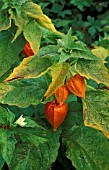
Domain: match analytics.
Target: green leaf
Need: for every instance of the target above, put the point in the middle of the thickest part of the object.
(5, 22)
(34, 136)
(81, 51)
(30, 157)
(92, 30)
(33, 34)
(7, 142)
(6, 116)
(56, 8)
(23, 93)
(28, 111)
(96, 110)
(20, 21)
(74, 116)
(87, 148)
(16, 5)
(94, 70)
(1, 4)
(59, 73)
(30, 122)
(1, 160)
(9, 52)
(75, 49)
(14, 2)
(81, 4)
(47, 50)
(36, 66)
(64, 56)
(51, 36)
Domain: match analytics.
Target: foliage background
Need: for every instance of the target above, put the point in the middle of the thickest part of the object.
(89, 21)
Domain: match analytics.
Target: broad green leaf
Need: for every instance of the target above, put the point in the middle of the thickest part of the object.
(5, 22)
(30, 122)
(35, 66)
(28, 111)
(14, 2)
(64, 56)
(74, 116)
(96, 110)
(85, 54)
(75, 50)
(33, 34)
(7, 142)
(100, 52)
(6, 116)
(47, 50)
(20, 21)
(80, 50)
(33, 10)
(1, 160)
(88, 148)
(34, 136)
(30, 157)
(9, 52)
(15, 5)
(59, 73)
(94, 70)
(25, 121)
(23, 92)
(4, 89)
(50, 36)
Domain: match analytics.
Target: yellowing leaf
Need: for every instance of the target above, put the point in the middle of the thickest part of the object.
(31, 68)
(100, 52)
(94, 70)
(36, 66)
(33, 10)
(96, 110)
(59, 73)
(46, 22)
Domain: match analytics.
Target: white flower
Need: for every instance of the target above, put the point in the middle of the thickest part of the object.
(20, 121)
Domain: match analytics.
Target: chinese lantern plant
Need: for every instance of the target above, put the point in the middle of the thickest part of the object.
(61, 94)
(50, 109)
(27, 50)
(56, 111)
(76, 85)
